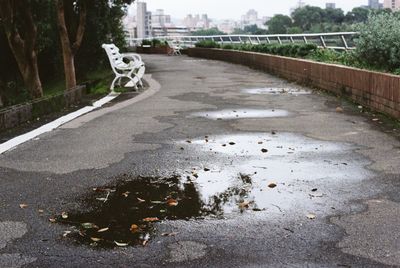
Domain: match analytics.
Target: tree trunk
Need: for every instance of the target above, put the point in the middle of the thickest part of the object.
(69, 48)
(69, 68)
(23, 48)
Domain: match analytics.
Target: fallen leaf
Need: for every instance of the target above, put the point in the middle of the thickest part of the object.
(52, 220)
(272, 185)
(121, 244)
(102, 230)
(66, 233)
(134, 228)
(126, 194)
(140, 200)
(188, 141)
(40, 210)
(172, 202)
(339, 110)
(314, 190)
(244, 205)
(375, 119)
(23, 205)
(260, 142)
(95, 239)
(232, 143)
(64, 215)
(273, 132)
(223, 145)
(169, 234)
(316, 195)
(89, 225)
(151, 219)
(311, 216)
(264, 150)
(206, 169)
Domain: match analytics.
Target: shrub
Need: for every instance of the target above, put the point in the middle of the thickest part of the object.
(378, 44)
(228, 46)
(146, 43)
(156, 43)
(207, 44)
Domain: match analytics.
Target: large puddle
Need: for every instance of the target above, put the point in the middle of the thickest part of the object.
(228, 114)
(263, 174)
(125, 214)
(276, 91)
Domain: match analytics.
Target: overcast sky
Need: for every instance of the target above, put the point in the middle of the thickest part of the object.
(233, 9)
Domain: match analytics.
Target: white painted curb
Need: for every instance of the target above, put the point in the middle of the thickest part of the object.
(8, 145)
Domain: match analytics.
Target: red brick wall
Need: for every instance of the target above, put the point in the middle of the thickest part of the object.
(377, 91)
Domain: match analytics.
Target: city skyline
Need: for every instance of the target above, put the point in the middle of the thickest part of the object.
(217, 10)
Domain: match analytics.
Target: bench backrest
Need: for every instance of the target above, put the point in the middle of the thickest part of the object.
(116, 59)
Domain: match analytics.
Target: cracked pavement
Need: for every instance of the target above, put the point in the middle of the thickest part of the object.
(356, 222)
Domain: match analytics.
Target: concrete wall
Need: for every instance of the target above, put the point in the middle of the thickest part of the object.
(378, 91)
(15, 115)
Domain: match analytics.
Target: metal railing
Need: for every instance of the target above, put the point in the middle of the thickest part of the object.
(339, 40)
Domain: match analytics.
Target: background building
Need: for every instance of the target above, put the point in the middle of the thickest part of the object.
(392, 4)
(330, 5)
(374, 4)
(143, 21)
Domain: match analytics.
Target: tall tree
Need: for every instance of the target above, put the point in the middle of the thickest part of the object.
(70, 46)
(279, 24)
(21, 32)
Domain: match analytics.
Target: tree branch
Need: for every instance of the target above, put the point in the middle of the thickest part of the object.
(81, 27)
(61, 24)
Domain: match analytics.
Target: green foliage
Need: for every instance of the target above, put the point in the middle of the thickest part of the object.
(379, 42)
(207, 44)
(279, 24)
(307, 16)
(103, 25)
(207, 32)
(146, 43)
(227, 46)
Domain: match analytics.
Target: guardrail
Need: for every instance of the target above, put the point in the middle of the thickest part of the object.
(339, 40)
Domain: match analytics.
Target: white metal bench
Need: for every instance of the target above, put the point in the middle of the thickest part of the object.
(134, 69)
(176, 48)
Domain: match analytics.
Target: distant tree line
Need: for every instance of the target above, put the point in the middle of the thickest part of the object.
(45, 40)
(312, 19)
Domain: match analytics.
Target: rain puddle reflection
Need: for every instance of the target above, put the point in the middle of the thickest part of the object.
(279, 173)
(276, 91)
(228, 114)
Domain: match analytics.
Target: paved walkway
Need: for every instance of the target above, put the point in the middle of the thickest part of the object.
(337, 175)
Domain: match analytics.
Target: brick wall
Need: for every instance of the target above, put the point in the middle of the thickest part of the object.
(378, 91)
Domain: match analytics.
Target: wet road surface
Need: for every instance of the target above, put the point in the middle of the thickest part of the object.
(214, 165)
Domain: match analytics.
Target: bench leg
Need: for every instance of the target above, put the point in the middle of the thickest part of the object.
(113, 83)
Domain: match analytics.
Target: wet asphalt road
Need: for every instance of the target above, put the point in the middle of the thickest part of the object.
(337, 167)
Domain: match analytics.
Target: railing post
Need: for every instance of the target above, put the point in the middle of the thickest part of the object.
(322, 41)
(344, 42)
(230, 38)
(279, 40)
(305, 39)
(269, 41)
(258, 39)
(291, 39)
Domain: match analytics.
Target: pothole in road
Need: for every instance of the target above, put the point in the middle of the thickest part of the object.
(228, 114)
(276, 91)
